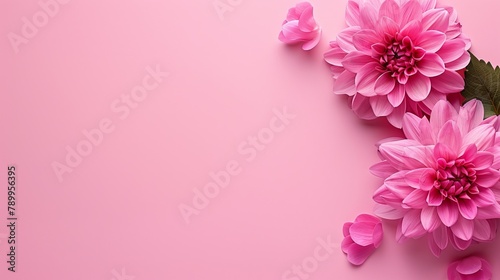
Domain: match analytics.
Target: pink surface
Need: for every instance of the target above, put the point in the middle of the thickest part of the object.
(116, 214)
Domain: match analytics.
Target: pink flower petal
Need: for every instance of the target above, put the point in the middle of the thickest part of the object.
(443, 151)
(448, 213)
(415, 200)
(346, 244)
(381, 106)
(412, 29)
(411, 127)
(344, 38)
(335, 56)
(396, 118)
(448, 82)
(422, 154)
(440, 236)
(364, 39)
(470, 153)
(345, 84)
(434, 198)
(366, 78)
(436, 19)
(357, 255)
(411, 226)
(361, 106)
(378, 235)
(378, 49)
(487, 178)
(431, 65)
(417, 129)
(385, 196)
(397, 187)
(369, 16)
(412, 10)
(433, 98)
(460, 63)
(482, 136)
(400, 238)
(452, 50)
(421, 179)
(483, 160)
(394, 153)
(390, 9)
(484, 198)
(356, 60)
(430, 219)
(470, 116)
(306, 20)
(482, 230)
(431, 40)
(382, 169)
(295, 12)
(426, 133)
(388, 212)
(418, 87)
(469, 266)
(309, 45)
(496, 151)
(489, 212)
(450, 136)
(352, 16)
(387, 26)
(435, 250)
(397, 95)
(442, 112)
(385, 84)
(366, 218)
(467, 208)
(460, 244)
(362, 233)
(428, 4)
(336, 71)
(291, 33)
(345, 229)
(463, 229)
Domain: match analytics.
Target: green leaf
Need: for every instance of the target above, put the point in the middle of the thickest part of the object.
(482, 82)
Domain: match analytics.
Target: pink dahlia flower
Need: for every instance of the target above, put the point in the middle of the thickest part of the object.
(398, 56)
(442, 181)
(300, 27)
(470, 268)
(361, 238)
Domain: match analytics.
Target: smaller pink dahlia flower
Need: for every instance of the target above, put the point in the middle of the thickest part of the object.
(443, 180)
(470, 268)
(361, 238)
(398, 56)
(300, 27)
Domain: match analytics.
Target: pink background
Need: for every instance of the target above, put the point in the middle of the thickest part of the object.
(119, 208)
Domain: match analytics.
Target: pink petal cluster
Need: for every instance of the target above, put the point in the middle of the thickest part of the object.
(443, 180)
(300, 27)
(470, 268)
(398, 56)
(361, 238)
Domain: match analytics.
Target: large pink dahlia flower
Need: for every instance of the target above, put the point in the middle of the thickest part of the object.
(398, 56)
(443, 180)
